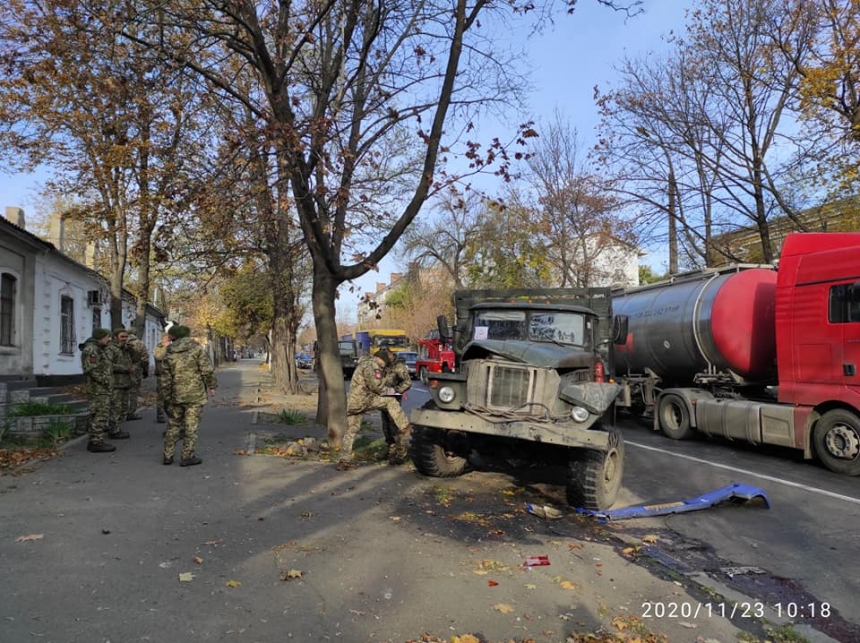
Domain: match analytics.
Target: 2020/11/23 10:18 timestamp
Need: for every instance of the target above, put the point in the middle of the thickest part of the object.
(750, 609)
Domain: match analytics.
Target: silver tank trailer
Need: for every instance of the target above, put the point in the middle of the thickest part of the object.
(706, 322)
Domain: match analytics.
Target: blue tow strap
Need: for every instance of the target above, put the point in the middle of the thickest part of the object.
(734, 491)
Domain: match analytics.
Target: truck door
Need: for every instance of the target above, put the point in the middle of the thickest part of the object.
(845, 311)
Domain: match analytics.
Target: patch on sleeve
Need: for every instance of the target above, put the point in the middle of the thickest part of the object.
(377, 374)
(93, 360)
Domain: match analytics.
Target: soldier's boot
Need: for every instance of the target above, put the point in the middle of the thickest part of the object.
(190, 462)
(100, 447)
(119, 434)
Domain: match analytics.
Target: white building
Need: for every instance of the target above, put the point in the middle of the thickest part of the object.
(49, 304)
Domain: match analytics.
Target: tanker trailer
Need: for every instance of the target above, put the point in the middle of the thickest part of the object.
(702, 335)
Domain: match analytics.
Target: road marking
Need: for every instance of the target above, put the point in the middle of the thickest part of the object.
(788, 483)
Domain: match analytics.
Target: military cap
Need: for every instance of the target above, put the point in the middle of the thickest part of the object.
(117, 331)
(178, 332)
(100, 333)
(385, 355)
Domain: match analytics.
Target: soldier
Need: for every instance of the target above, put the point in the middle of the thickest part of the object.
(121, 381)
(188, 376)
(140, 369)
(158, 354)
(98, 373)
(396, 378)
(366, 394)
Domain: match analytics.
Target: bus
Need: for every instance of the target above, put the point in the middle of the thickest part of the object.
(394, 340)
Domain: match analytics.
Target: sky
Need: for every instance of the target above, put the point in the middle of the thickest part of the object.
(566, 62)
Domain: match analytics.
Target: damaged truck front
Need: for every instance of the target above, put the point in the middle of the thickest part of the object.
(532, 384)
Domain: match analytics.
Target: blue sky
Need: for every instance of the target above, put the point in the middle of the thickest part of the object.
(567, 61)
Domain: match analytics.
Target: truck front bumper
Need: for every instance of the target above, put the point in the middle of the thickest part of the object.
(566, 434)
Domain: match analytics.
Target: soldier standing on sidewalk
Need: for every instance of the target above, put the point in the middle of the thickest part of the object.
(121, 381)
(140, 369)
(158, 354)
(98, 373)
(188, 377)
(366, 391)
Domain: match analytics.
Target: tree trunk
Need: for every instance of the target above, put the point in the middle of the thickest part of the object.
(333, 392)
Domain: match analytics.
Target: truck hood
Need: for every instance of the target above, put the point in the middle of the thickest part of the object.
(537, 353)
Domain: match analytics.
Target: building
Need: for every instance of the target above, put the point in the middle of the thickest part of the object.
(49, 304)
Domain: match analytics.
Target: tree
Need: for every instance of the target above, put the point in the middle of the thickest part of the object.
(114, 123)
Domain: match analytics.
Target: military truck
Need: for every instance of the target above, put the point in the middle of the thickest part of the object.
(348, 351)
(533, 382)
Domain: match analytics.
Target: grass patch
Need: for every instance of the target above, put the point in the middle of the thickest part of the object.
(292, 417)
(32, 408)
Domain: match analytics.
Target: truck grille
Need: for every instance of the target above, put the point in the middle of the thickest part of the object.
(500, 386)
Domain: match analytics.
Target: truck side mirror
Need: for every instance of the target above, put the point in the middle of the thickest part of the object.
(442, 325)
(620, 325)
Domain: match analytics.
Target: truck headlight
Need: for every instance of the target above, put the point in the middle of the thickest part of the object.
(446, 394)
(579, 414)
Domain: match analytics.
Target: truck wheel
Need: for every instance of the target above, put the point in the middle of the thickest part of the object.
(594, 477)
(422, 375)
(674, 417)
(432, 456)
(836, 438)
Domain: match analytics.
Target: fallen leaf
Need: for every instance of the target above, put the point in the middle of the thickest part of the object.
(650, 538)
(233, 583)
(186, 577)
(198, 560)
(291, 574)
(492, 583)
(394, 518)
(466, 638)
(212, 542)
(24, 539)
(530, 586)
(689, 626)
(566, 584)
(504, 608)
(480, 572)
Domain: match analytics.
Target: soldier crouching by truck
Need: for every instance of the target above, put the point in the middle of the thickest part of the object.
(366, 393)
(398, 380)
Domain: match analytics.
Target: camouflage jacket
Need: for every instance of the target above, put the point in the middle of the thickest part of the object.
(139, 357)
(98, 367)
(397, 377)
(187, 373)
(367, 383)
(121, 364)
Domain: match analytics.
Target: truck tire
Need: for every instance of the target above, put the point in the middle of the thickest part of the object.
(430, 455)
(836, 438)
(594, 477)
(674, 416)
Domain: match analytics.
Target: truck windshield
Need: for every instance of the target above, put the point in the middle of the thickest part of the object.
(536, 326)
(346, 348)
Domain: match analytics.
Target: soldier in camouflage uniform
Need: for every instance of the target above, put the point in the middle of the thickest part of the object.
(158, 354)
(121, 381)
(98, 373)
(397, 378)
(188, 376)
(366, 391)
(140, 369)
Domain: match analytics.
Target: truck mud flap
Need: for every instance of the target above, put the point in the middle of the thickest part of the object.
(737, 492)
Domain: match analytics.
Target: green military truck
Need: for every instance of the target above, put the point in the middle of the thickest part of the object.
(348, 350)
(533, 382)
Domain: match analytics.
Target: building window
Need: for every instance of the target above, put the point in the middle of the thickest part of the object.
(844, 304)
(8, 293)
(67, 331)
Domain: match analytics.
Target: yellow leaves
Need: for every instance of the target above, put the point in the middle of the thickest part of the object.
(566, 584)
(198, 560)
(291, 574)
(465, 638)
(503, 608)
(186, 577)
(233, 583)
(24, 539)
(650, 539)
(631, 551)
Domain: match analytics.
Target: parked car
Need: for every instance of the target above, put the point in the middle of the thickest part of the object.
(304, 360)
(410, 358)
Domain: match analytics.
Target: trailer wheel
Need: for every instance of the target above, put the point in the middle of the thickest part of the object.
(594, 477)
(674, 416)
(422, 375)
(836, 438)
(434, 453)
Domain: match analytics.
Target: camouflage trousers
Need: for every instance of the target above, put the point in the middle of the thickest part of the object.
(390, 406)
(119, 408)
(133, 394)
(100, 417)
(182, 417)
(159, 400)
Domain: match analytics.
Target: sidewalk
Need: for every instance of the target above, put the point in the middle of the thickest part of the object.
(117, 547)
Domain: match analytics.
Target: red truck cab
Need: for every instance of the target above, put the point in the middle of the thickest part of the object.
(434, 356)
